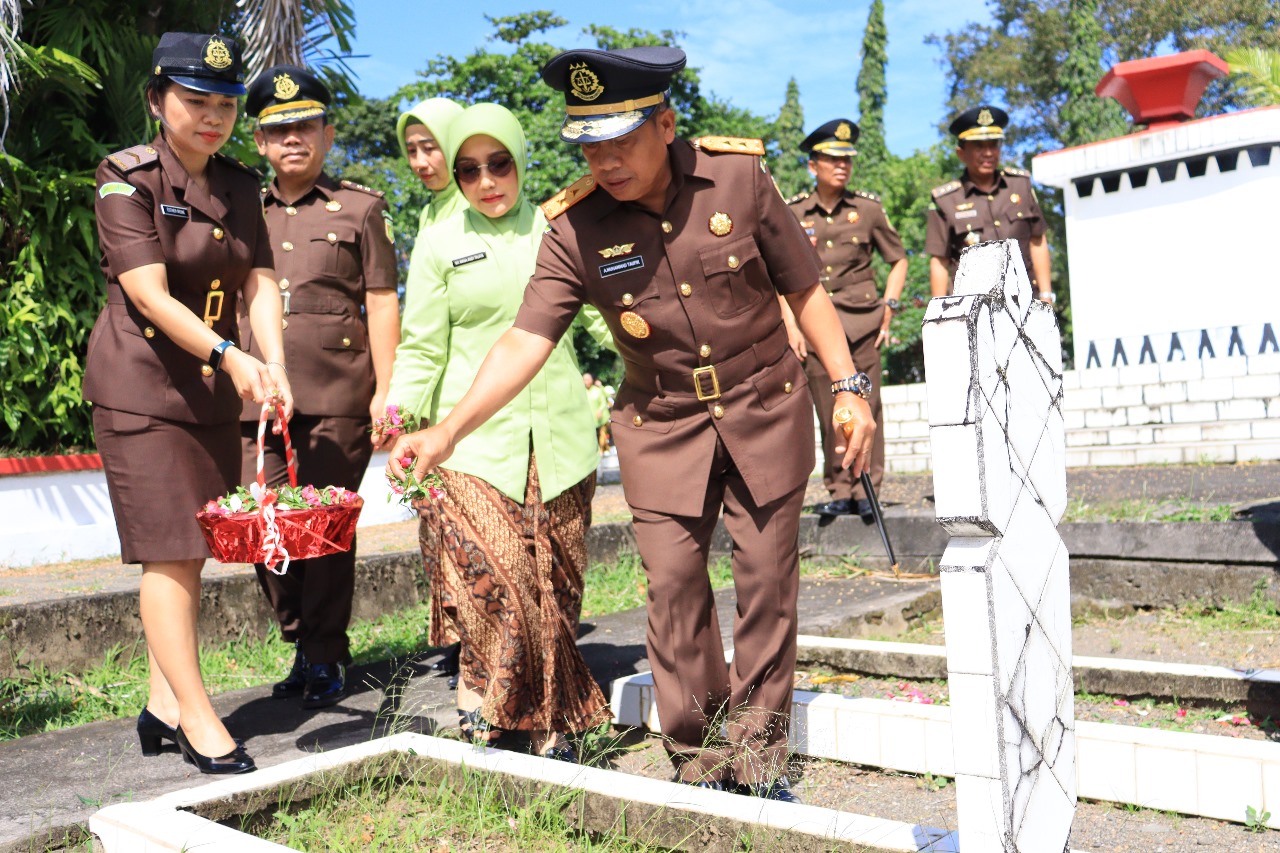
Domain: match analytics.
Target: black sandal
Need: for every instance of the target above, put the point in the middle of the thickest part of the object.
(475, 729)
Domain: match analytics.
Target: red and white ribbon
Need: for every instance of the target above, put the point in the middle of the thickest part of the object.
(273, 550)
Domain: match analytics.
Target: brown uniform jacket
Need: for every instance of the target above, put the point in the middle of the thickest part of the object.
(330, 246)
(678, 296)
(149, 212)
(844, 238)
(962, 216)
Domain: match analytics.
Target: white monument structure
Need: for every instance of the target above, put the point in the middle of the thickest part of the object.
(993, 370)
(1169, 226)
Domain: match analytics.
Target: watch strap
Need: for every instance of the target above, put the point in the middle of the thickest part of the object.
(215, 357)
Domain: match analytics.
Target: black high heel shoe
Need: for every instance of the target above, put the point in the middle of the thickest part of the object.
(151, 731)
(235, 761)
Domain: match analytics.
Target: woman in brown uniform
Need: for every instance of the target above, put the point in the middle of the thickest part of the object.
(182, 234)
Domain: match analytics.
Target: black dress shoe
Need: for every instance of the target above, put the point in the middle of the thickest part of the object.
(862, 507)
(235, 761)
(151, 731)
(295, 682)
(326, 685)
(561, 752)
(840, 506)
(709, 784)
(448, 663)
(779, 790)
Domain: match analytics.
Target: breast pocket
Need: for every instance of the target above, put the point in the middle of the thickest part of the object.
(347, 336)
(735, 276)
(334, 253)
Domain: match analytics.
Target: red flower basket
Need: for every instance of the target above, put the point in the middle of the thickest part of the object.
(272, 534)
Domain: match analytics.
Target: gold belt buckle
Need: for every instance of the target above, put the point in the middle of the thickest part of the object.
(709, 370)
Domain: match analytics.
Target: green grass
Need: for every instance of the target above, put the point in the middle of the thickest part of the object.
(409, 809)
(614, 587)
(1145, 509)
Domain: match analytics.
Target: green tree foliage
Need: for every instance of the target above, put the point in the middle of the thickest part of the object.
(1085, 116)
(871, 86)
(1259, 73)
(785, 161)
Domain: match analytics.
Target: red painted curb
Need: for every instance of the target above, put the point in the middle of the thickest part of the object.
(49, 464)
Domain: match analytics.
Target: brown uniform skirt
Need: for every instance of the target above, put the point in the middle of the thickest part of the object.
(160, 473)
(506, 581)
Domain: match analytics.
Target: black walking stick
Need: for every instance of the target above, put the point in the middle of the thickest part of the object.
(875, 510)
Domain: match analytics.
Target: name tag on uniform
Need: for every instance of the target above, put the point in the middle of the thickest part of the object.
(625, 265)
(175, 211)
(469, 259)
(966, 214)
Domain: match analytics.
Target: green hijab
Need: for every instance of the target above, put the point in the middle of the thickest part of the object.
(498, 122)
(438, 115)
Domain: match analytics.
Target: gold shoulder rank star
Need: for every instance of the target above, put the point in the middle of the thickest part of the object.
(615, 251)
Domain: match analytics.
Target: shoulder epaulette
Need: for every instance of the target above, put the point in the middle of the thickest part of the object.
(939, 192)
(352, 185)
(866, 195)
(729, 145)
(239, 164)
(800, 196)
(131, 158)
(1014, 170)
(568, 197)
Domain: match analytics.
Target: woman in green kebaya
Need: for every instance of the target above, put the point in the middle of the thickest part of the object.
(506, 544)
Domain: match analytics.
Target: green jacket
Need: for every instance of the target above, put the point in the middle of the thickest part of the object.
(466, 282)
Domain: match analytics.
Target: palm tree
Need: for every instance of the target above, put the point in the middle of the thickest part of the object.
(295, 31)
(10, 22)
(1260, 73)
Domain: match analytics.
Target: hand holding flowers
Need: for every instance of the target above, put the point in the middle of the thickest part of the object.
(396, 422)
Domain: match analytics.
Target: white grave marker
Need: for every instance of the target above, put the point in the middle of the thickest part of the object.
(993, 369)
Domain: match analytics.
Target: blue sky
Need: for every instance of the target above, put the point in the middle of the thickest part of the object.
(746, 49)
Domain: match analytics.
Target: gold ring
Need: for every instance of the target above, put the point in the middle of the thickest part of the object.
(274, 392)
(843, 415)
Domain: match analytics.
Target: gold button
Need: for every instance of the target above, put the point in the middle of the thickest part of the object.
(284, 324)
(628, 299)
(787, 387)
(666, 227)
(215, 284)
(331, 237)
(206, 370)
(732, 262)
(148, 332)
(717, 410)
(831, 293)
(284, 284)
(346, 342)
(637, 420)
(828, 269)
(218, 233)
(291, 210)
(855, 241)
(704, 350)
(830, 244)
(997, 223)
(685, 289)
(287, 246)
(1019, 214)
(991, 198)
(829, 220)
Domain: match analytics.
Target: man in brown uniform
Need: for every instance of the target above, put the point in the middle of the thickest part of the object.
(844, 226)
(987, 203)
(684, 248)
(335, 259)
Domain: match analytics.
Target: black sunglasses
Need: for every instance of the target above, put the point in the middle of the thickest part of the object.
(499, 166)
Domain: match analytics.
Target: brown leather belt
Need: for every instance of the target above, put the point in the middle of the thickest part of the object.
(711, 381)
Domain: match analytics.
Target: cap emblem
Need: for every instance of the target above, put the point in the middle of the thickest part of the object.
(843, 132)
(217, 55)
(985, 119)
(286, 88)
(583, 82)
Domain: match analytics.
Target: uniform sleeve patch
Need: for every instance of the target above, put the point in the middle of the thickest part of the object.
(391, 232)
(116, 188)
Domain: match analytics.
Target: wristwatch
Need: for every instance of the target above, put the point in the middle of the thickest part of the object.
(858, 383)
(1047, 295)
(215, 357)
(893, 304)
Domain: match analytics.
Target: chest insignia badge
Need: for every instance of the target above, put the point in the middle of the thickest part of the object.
(968, 205)
(634, 325)
(720, 224)
(973, 238)
(853, 216)
(615, 251)
(1015, 198)
(333, 205)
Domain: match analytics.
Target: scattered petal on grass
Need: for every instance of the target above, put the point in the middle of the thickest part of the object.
(1180, 713)
(1122, 703)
